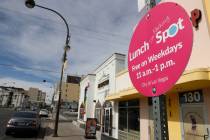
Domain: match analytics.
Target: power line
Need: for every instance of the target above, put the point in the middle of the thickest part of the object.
(97, 37)
(75, 26)
(28, 68)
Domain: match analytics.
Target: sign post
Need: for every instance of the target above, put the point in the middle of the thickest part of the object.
(160, 118)
(159, 51)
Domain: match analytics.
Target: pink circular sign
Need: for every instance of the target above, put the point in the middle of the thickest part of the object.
(160, 49)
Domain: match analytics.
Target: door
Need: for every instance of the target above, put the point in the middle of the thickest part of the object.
(108, 121)
(194, 122)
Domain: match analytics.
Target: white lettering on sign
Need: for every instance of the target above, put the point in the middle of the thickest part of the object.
(139, 51)
(170, 32)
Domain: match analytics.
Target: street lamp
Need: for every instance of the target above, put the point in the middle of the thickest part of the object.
(32, 4)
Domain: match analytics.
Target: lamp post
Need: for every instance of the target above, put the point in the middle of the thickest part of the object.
(32, 4)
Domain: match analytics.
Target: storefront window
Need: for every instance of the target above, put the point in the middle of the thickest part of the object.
(107, 118)
(123, 119)
(98, 112)
(129, 125)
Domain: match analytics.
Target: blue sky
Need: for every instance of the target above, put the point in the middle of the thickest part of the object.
(34, 38)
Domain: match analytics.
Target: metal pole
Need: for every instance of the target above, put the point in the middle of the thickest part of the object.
(159, 106)
(67, 47)
(55, 134)
(160, 118)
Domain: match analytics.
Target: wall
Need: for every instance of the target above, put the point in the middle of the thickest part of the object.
(33, 94)
(173, 114)
(201, 41)
(108, 70)
(115, 119)
(70, 92)
(89, 109)
(207, 9)
(123, 81)
(144, 119)
(207, 104)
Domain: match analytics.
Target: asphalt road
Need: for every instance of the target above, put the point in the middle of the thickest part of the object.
(5, 114)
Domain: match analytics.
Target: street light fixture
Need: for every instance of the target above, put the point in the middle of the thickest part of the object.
(32, 4)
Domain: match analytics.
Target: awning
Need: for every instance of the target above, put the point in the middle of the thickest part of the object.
(190, 80)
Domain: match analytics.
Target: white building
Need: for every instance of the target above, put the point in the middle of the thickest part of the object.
(87, 88)
(11, 96)
(96, 87)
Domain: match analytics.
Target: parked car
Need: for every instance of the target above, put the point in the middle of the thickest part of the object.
(43, 113)
(23, 121)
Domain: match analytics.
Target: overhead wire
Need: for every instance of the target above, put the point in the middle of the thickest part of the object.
(79, 35)
(27, 68)
(72, 25)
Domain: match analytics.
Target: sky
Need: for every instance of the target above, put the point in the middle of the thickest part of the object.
(32, 40)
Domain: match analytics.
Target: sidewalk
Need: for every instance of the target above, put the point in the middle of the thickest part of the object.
(66, 131)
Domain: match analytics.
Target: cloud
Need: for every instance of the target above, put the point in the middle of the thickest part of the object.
(35, 37)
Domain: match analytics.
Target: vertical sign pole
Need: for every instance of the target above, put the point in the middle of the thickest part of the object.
(151, 77)
(160, 118)
(159, 110)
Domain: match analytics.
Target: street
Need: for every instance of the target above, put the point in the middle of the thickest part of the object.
(5, 114)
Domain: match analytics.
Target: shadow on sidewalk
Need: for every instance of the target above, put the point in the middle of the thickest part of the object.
(49, 131)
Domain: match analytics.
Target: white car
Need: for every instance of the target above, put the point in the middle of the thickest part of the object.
(43, 113)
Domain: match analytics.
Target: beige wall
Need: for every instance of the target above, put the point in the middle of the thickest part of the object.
(33, 94)
(201, 40)
(70, 92)
(207, 103)
(36, 95)
(144, 121)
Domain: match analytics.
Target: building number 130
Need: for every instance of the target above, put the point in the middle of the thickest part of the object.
(192, 97)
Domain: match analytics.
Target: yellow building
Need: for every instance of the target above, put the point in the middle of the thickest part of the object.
(36, 95)
(70, 92)
(188, 102)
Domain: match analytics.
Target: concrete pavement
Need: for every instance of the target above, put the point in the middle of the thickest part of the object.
(66, 131)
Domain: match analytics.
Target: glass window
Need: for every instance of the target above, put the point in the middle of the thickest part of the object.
(133, 119)
(102, 84)
(98, 115)
(98, 112)
(133, 103)
(25, 115)
(123, 119)
(129, 124)
(107, 118)
(122, 104)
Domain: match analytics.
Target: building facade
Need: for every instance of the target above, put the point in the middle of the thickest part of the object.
(188, 107)
(94, 88)
(124, 114)
(86, 98)
(70, 92)
(36, 97)
(12, 97)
